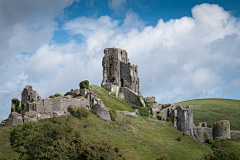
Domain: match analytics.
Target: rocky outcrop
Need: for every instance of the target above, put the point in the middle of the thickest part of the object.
(14, 119)
(135, 113)
(102, 112)
(221, 130)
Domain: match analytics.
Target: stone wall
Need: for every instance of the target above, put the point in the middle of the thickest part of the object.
(202, 132)
(185, 119)
(151, 99)
(111, 88)
(127, 94)
(221, 130)
(14, 119)
(235, 133)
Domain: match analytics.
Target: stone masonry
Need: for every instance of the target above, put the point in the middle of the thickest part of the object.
(118, 70)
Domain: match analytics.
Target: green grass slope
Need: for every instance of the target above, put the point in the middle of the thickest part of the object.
(214, 109)
(111, 101)
(138, 138)
(6, 152)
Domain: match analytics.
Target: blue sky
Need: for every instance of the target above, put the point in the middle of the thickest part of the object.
(184, 49)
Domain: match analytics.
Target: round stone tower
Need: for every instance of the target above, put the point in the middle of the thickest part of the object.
(221, 130)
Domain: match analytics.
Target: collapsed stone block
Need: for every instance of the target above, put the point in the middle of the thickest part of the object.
(102, 112)
(14, 119)
(151, 99)
(128, 94)
(75, 92)
(221, 130)
(83, 91)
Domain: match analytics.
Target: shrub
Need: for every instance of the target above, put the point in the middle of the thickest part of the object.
(113, 94)
(179, 138)
(57, 95)
(52, 96)
(15, 101)
(168, 119)
(18, 109)
(94, 112)
(12, 109)
(84, 84)
(78, 112)
(113, 114)
(220, 154)
(163, 157)
(159, 116)
(143, 111)
(147, 103)
(205, 135)
(68, 93)
(98, 150)
(82, 112)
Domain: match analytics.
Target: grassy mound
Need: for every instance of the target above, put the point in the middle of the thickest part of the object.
(138, 138)
(214, 109)
(111, 101)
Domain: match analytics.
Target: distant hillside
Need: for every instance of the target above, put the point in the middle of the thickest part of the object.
(214, 109)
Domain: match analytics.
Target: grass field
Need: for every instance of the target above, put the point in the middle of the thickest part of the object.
(214, 109)
(6, 151)
(111, 101)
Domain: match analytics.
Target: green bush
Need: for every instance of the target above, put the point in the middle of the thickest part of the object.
(57, 95)
(113, 114)
(78, 112)
(113, 94)
(219, 154)
(143, 111)
(84, 84)
(16, 102)
(102, 150)
(163, 157)
(159, 116)
(52, 96)
(168, 119)
(18, 109)
(147, 103)
(68, 93)
(12, 109)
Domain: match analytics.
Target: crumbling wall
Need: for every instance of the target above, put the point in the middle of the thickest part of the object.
(185, 119)
(202, 132)
(14, 119)
(127, 94)
(151, 99)
(221, 130)
(111, 88)
(235, 133)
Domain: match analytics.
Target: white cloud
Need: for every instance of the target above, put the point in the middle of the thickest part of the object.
(181, 59)
(116, 4)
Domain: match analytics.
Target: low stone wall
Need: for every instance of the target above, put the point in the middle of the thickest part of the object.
(202, 132)
(111, 88)
(151, 99)
(235, 133)
(127, 94)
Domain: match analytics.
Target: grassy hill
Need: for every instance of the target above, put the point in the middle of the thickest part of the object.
(139, 138)
(214, 109)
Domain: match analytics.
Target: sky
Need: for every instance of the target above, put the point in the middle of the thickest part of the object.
(184, 49)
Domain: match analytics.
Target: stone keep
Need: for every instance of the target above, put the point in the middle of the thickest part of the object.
(221, 130)
(185, 119)
(118, 70)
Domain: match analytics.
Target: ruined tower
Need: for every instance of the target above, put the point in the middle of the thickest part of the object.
(117, 69)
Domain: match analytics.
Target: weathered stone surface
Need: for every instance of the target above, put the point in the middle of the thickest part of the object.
(83, 91)
(117, 70)
(102, 112)
(75, 92)
(30, 116)
(155, 109)
(151, 99)
(14, 119)
(3, 122)
(185, 119)
(221, 130)
(129, 113)
(29, 95)
(127, 94)
(235, 133)
(111, 88)
(202, 132)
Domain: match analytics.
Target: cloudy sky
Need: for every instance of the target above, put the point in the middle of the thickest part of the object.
(184, 49)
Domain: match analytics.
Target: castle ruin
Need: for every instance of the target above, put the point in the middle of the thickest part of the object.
(118, 71)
